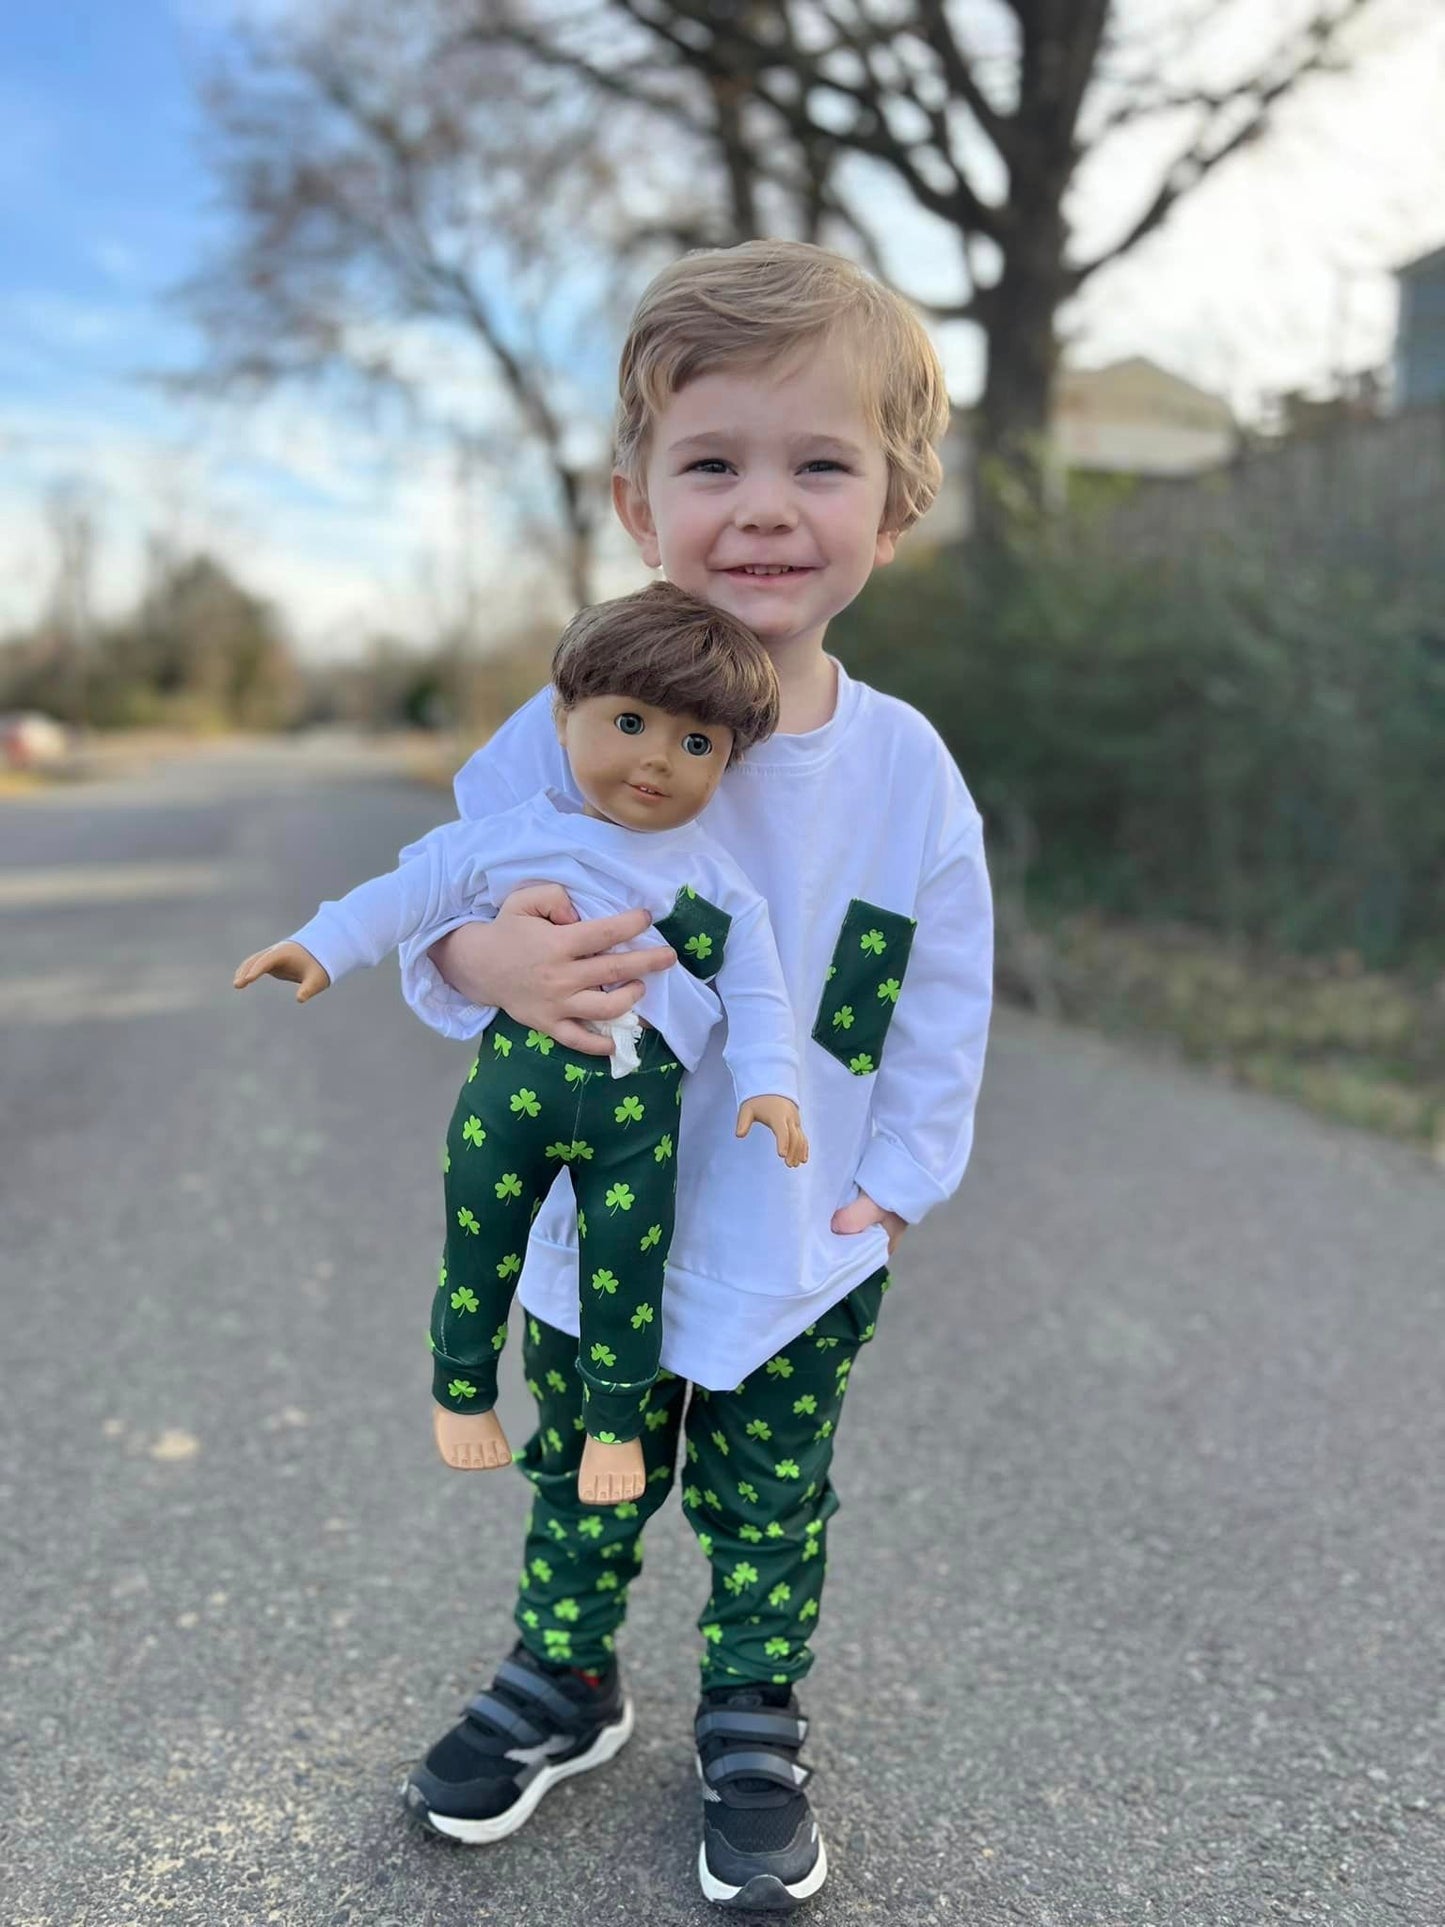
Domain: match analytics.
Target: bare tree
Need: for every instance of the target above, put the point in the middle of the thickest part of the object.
(984, 114)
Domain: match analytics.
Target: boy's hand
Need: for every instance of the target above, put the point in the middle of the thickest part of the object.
(290, 961)
(544, 966)
(862, 1212)
(780, 1114)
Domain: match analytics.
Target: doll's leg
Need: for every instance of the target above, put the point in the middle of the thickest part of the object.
(502, 1154)
(625, 1202)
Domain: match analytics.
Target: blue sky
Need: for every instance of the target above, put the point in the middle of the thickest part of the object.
(1278, 272)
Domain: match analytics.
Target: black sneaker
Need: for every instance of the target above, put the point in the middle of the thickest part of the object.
(532, 1728)
(761, 1848)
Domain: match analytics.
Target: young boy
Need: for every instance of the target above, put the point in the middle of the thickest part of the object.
(776, 430)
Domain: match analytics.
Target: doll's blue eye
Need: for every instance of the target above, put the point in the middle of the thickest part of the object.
(630, 723)
(696, 744)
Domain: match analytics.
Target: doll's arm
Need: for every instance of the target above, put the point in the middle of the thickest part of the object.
(780, 1114)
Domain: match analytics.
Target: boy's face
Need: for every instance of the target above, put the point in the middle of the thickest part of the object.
(645, 768)
(763, 494)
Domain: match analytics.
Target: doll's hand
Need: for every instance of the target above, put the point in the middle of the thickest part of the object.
(780, 1114)
(862, 1212)
(290, 961)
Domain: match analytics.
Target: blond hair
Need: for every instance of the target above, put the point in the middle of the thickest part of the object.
(765, 302)
(662, 646)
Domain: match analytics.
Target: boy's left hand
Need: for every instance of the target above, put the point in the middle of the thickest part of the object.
(863, 1212)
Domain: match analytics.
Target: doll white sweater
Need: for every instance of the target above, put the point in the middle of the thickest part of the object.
(469, 869)
(870, 807)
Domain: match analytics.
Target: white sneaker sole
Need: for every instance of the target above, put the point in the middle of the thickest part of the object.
(765, 1892)
(481, 1833)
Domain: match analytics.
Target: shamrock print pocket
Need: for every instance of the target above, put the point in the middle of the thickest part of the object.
(697, 931)
(861, 990)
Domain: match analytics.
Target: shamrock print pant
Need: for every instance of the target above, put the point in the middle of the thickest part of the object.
(756, 1491)
(528, 1108)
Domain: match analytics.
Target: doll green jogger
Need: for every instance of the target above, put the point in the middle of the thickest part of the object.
(528, 1108)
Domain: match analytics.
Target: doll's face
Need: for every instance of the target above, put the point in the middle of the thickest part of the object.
(645, 768)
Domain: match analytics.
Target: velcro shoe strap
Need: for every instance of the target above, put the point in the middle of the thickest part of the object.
(733, 1723)
(486, 1706)
(758, 1766)
(528, 1685)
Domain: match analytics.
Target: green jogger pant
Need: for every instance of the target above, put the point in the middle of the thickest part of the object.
(530, 1107)
(756, 1491)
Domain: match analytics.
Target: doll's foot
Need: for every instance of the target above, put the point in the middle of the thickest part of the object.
(471, 1441)
(610, 1474)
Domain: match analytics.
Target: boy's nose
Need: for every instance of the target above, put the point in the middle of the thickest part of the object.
(766, 509)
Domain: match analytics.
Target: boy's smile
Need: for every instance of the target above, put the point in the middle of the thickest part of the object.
(764, 491)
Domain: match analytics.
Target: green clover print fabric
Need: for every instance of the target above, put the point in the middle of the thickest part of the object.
(870, 960)
(697, 931)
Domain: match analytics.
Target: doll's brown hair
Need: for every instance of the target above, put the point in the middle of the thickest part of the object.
(665, 647)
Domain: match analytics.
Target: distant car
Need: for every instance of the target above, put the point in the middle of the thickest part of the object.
(29, 740)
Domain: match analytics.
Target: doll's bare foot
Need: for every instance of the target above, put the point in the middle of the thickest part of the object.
(610, 1474)
(471, 1441)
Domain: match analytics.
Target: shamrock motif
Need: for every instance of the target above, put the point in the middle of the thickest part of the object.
(747, 1490)
(581, 1224)
(776, 1648)
(556, 1380)
(843, 1017)
(751, 1534)
(742, 1574)
(560, 1150)
(700, 946)
(559, 1642)
(553, 1438)
(446, 1162)
(832, 973)
(473, 1071)
(499, 1338)
(825, 1430)
(825, 1344)
(525, 1100)
(608, 1582)
(775, 1531)
(689, 893)
(872, 940)
(501, 1045)
(574, 1073)
(629, 1111)
(468, 1222)
(807, 1403)
(461, 1388)
(780, 1595)
(720, 1441)
(662, 1150)
(710, 1498)
(541, 1572)
(888, 990)
(788, 1469)
(654, 1420)
(652, 1236)
(509, 1266)
(620, 1197)
(464, 1299)
(472, 1131)
(534, 1331)
(868, 1331)
(568, 1609)
(508, 1185)
(589, 1528)
(603, 1355)
(691, 1496)
(704, 1540)
(712, 1633)
(691, 1453)
(642, 1316)
(538, 1040)
(607, 1438)
(780, 1368)
(529, 1617)
(605, 1281)
(809, 1610)
(758, 1428)
(860, 1065)
(628, 1511)
(557, 1529)
(659, 1472)
(582, 1149)
(442, 1278)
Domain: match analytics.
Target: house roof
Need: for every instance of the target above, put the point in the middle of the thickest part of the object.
(1137, 384)
(1422, 264)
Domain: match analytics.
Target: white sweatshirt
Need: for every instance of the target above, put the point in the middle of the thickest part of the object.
(469, 869)
(870, 807)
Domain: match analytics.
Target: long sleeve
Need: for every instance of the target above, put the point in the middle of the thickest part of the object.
(761, 1050)
(926, 1086)
(522, 757)
(439, 878)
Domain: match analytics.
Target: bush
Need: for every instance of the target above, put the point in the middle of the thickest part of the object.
(1210, 741)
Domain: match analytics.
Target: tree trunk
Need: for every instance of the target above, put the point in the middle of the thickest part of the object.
(580, 526)
(1011, 452)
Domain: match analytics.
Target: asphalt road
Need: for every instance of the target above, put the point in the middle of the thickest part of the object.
(1134, 1613)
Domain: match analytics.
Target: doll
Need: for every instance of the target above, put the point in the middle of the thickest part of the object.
(655, 693)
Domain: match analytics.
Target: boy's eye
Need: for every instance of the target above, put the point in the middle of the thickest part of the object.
(630, 723)
(709, 465)
(696, 744)
(826, 463)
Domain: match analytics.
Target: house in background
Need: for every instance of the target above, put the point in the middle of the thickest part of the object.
(1129, 418)
(1420, 334)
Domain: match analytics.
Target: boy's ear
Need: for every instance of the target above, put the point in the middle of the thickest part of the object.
(885, 547)
(635, 515)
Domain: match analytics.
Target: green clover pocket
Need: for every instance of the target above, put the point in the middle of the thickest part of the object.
(863, 984)
(697, 931)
